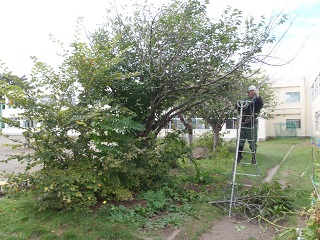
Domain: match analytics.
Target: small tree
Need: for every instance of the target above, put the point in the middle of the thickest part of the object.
(217, 111)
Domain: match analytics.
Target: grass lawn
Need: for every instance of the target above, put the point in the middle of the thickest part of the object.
(296, 167)
(20, 218)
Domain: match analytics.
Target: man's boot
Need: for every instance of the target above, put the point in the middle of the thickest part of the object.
(239, 157)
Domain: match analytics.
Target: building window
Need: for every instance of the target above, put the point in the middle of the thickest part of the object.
(198, 124)
(293, 123)
(29, 124)
(231, 123)
(168, 126)
(292, 96)
(177, 124)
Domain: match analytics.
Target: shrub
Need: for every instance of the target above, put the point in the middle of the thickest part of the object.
(89, 149)
(224, 148)
(204, 140)
(78, 180)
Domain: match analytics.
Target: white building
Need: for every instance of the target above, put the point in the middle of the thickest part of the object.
(293, 110)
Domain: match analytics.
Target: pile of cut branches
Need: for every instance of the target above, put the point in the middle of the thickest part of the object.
(268, 201)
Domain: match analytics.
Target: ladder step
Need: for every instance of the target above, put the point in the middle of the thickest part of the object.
(246, 163)
(247, 174)
(240, 184)
(246, 139)
(247, 151)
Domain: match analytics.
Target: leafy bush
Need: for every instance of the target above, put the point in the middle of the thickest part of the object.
(78, 180)
(312, 229)
(204, 140)
(224, 148)
(89, 149)
(152, 164)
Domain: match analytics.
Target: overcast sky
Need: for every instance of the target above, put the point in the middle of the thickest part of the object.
(26, 25)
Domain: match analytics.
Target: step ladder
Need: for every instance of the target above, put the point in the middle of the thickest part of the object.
(255, 174)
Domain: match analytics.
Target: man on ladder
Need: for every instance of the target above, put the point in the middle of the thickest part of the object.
(247, 131)
(249, 125)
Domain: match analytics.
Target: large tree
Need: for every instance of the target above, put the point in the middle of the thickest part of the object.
(183, 57)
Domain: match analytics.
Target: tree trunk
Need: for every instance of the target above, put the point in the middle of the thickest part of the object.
(190, 131)
(216, 132)
(188, 125)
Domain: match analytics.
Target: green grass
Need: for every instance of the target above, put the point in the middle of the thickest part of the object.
(20, 218)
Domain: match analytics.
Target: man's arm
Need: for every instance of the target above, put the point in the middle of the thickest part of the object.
(258, 104)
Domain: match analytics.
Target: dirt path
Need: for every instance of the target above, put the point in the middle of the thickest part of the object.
(231, 229)
(274, 170)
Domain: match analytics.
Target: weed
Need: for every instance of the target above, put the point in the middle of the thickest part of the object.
(156, 200)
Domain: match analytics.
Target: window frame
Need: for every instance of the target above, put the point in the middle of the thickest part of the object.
(233, 122)
(290, 98)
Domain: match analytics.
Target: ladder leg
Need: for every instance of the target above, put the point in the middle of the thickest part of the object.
(235, 161)
(252, 142)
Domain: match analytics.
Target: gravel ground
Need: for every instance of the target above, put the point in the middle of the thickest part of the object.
(7, 150)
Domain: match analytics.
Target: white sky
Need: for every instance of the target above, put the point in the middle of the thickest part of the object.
(26, 25)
